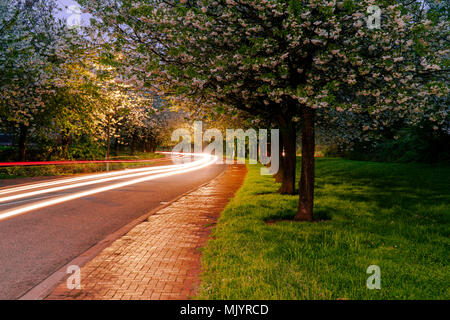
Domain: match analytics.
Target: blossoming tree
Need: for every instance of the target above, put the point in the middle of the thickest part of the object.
(283, 60)
(34, 52)
(53, 85)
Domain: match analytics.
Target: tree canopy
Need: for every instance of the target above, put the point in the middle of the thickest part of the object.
(283, 60)
(55, 88)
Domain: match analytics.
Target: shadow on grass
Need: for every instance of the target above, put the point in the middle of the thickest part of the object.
(320, 215)
(399, 188)
(391, 215)
(378, 193)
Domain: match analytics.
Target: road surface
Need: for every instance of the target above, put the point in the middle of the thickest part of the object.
(43, 227)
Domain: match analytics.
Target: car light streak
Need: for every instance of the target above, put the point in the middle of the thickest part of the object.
(206, 160)
(86, 177)
(26, 200)
(47, 163)
(103, 180)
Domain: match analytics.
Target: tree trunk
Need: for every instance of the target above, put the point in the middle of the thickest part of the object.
(116, 148)
(108, 138)
(288, 136)
(279, 175)
(132, 145)
(23, 138)
(65, 140)
(306, 184)
(108, 146)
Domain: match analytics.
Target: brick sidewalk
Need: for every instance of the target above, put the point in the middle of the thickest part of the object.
(159, 258)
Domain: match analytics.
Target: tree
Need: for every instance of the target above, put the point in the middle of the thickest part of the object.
(33, 51)
(56, 91)
(279, 60)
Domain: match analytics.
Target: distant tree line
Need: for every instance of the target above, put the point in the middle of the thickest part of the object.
(58, 100)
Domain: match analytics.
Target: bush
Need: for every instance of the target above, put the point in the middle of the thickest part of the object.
(7, 153)
(411, 144)
(86, 150)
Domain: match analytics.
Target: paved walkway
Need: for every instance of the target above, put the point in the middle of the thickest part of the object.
(159, 258)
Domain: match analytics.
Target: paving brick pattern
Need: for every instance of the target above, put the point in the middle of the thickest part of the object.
(159, 258)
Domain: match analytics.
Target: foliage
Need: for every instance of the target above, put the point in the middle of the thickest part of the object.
(266, 56)
(411, 144)
(55, 89)
(87, 150)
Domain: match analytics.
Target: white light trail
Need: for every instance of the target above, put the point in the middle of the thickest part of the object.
(206, 160)
(103, 179)
(86, 177)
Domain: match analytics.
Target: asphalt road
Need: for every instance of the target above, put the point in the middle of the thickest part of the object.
(35, 244)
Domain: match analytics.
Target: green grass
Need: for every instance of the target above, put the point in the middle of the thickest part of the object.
(395, 216)
(70, 169)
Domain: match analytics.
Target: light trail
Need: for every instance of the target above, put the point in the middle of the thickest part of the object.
(68, 162)
(206, 160)
(102, 180)
(25, 200)
(47, 163)
(86, 177)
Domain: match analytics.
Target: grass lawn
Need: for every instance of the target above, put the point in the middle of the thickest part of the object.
(396, 216)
